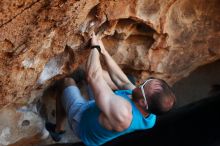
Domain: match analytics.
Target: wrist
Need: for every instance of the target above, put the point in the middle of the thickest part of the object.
(96, 47)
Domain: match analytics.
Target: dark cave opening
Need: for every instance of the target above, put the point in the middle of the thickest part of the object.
(198, 84)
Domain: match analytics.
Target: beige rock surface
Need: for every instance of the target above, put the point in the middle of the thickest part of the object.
(18, 123)
(42, 41)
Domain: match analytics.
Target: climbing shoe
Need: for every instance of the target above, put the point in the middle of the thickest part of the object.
(56, 135)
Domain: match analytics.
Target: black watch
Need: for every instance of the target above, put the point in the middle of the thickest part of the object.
(97, 47)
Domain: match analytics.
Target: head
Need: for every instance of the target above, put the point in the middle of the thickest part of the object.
(155, 96)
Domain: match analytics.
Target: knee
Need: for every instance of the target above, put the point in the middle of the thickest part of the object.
(68, 82)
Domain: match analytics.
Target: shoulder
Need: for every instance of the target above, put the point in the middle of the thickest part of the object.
(123, 125)
(124, 117)
(121, 116)
(117, 124)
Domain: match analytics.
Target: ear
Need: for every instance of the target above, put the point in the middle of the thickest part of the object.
(141, 103)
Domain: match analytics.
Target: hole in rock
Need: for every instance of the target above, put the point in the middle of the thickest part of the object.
(129, 34)
(25, 123)
(201, 83)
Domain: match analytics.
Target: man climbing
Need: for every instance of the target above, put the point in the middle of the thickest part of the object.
(110, 114)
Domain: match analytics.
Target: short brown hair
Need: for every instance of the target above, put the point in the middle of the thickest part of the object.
(161, 101)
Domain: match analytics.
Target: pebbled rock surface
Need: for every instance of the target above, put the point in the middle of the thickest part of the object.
(42, 41)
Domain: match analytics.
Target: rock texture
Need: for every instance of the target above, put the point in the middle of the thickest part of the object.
(18, 123)
(42, 41)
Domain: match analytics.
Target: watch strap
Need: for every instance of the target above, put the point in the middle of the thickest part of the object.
(97, 47)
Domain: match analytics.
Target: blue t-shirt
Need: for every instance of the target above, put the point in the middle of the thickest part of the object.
(93, 134)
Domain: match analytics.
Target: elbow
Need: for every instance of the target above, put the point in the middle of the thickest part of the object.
(93, 74)
(89, 77)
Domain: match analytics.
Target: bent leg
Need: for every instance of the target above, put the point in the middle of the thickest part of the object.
(73, 104)
(68, 105)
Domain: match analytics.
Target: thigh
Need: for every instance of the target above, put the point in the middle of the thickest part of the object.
(73, 103)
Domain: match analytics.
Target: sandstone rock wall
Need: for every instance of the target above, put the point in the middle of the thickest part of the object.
(42, 40)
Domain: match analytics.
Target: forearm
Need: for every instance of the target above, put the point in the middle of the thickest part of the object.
(93, 65)
(115, 72)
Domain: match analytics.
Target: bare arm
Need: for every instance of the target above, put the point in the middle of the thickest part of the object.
(109, 81)
(115, 72)
(115, 108)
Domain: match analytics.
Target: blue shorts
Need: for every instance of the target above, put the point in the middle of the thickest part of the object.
(74, 104)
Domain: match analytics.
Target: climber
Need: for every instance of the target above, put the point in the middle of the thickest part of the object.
(110, 114)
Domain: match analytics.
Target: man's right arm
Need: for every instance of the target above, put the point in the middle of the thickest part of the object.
(115, 72)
